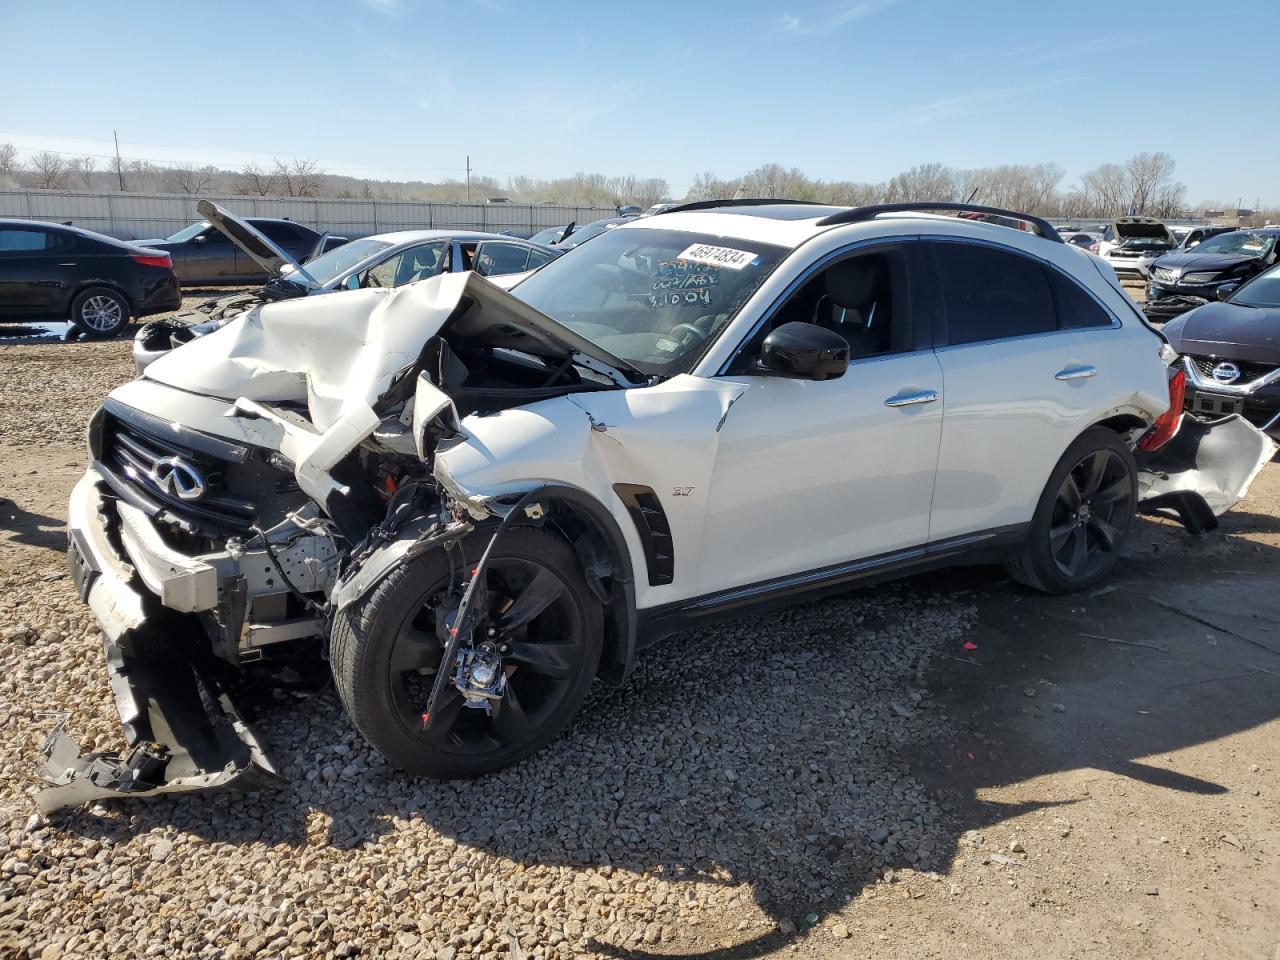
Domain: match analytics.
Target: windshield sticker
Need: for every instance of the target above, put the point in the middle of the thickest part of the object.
(725, 257)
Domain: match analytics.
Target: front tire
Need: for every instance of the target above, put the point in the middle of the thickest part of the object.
(100, 312)
(1083, 518)
(384, 652)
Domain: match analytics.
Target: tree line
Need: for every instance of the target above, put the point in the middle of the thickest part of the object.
(1144, 183)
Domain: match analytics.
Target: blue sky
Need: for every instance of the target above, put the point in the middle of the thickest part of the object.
(852, 89)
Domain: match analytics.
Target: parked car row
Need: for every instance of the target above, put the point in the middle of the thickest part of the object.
(385, 260)
(97, 283)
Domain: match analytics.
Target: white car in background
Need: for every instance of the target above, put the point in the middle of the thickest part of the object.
(483, 500)
(1131, 244)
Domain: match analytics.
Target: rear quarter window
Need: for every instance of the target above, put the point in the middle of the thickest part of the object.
(991, 294)
(1076, 308)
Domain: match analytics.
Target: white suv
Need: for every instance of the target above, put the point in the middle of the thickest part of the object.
(482, 500)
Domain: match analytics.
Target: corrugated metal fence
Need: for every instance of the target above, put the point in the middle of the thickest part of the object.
(135, 216)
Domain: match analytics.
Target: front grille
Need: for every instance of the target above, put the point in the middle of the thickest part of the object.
(1248, 371)
(130, 456)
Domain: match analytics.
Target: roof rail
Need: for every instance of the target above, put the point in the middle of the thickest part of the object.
(742, 202)
(859, 214)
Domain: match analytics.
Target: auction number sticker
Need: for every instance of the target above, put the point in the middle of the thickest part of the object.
(726, 257)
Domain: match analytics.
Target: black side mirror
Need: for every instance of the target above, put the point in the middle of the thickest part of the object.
(1227, 289)
(199, 241)
(805, 350)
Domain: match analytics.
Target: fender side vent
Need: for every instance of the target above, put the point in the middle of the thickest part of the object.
(654, 530)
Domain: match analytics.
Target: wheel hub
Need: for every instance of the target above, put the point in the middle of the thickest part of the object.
(480, 677)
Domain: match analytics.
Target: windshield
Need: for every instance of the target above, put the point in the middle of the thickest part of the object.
(186, 233)
(1262, 291)
(1238, 244)
(654, 298)
(336, 262)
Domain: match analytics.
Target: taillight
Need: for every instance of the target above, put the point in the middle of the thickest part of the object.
(158, 260)
(1166, 425)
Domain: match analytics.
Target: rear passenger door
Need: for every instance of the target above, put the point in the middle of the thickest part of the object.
(1025, 358)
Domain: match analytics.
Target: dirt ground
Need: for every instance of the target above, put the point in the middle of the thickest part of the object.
(1107, 764)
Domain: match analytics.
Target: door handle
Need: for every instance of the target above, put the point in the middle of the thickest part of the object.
(1079, 372)
(68, 264)
(911, 399)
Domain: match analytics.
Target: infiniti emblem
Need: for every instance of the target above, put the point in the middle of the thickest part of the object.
(175, 476)
(1226, 372)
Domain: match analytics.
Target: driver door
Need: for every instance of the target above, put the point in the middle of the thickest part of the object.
(814, 474)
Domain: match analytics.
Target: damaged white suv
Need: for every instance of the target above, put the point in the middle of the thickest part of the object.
(478, 501)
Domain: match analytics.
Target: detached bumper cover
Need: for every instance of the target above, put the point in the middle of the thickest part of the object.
(181, 726)
(1204, 471)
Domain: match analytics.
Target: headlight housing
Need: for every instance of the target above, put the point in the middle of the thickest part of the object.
(1199, 277)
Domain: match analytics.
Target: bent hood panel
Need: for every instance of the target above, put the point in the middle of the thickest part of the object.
(250, 240)
(341, 354)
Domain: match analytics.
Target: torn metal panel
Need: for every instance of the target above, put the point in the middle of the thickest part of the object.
(1214, 461)
(183, 731)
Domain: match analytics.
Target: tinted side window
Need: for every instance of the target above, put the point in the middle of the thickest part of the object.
(497, 259)
(1076, 309)
(278, 232)
(537, 258)
(12, 241)
(991, 294)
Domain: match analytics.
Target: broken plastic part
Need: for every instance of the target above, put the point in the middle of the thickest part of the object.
(1215, 461)
(183, 731)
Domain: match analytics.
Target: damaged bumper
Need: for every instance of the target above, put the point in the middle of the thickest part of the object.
(174, 695)
(1204, 471)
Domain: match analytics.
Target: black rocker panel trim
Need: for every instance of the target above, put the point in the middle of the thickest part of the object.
(653, 528)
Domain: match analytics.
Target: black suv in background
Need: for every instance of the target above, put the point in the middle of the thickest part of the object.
(1183, 280)
(203, 254)
(53, 272)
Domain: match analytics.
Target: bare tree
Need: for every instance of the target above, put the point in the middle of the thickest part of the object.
(300, 178)
(47, 171)
(255, 181)
(929, 181)
(82, 169)
(8, 162)
(1108, 189)
(188, 178)
(1149, 173)
(774, 181)
(141, 176)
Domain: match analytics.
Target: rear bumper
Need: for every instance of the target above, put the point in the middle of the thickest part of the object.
(159, 297)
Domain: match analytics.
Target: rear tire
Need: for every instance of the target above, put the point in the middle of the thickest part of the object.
(384, 652)
(1083, 518)
(100, 312)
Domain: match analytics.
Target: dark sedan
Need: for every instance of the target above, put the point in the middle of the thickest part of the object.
(204, 254)
(53, 272)
(1231, 352)
(1182, 280)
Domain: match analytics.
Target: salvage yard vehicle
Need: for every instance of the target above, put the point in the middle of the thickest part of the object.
(1129, 244)
(203, 253)
(385, 260)
(482, 500)
(1181, 281)
(1231, 353)
(95, 282)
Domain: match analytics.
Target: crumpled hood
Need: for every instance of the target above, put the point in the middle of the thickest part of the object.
(340, 354)
(1229, 331)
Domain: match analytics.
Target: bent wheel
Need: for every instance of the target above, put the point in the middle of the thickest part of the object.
(538, 618)
(1083, 516)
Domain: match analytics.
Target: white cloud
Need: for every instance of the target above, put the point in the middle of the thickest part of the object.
(834, 18)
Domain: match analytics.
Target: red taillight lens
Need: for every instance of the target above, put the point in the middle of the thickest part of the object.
(159, 260)
(1166, 424)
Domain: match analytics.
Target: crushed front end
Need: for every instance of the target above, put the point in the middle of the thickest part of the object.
(196, 554)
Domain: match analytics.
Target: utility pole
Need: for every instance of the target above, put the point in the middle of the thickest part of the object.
(119, 169)
(468, 178)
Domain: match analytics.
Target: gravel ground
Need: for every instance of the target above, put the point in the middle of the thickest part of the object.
(829, 778)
